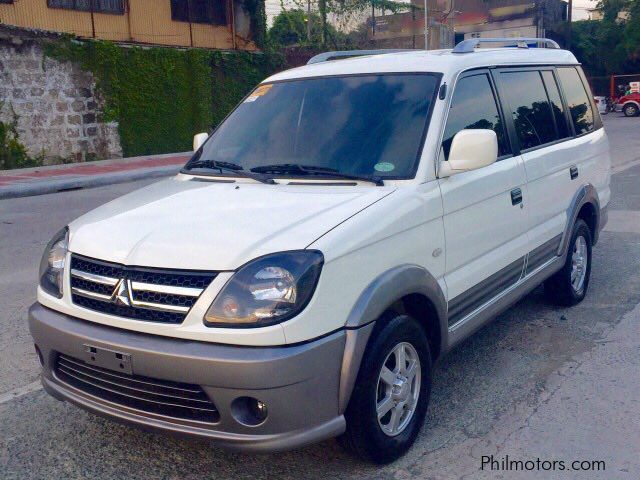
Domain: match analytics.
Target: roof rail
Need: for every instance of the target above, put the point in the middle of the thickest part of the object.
(468, 46)
(326, 56)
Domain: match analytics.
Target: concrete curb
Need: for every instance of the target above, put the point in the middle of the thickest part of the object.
(71, 181)
(97, 163)
(28, 189)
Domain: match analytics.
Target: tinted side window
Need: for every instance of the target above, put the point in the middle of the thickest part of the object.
(532, 115)
(577, 100)
(474, 106)
(556, 104)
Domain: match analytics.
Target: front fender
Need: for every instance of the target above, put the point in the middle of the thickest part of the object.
(379, 295)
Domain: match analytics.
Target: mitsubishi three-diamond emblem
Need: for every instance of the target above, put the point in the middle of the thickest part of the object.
(121, 294)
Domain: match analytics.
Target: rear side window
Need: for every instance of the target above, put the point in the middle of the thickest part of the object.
(577, 100)
(474, 106)
(530, 108)
(556, 104)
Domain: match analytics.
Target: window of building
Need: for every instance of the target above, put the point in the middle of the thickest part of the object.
(199, 11)
(474, 106)
(556, 104)
(577, 100)
(97, 6)
(530, 108)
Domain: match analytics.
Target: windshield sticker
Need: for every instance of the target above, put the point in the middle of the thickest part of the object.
(259, 92)
(384, 167)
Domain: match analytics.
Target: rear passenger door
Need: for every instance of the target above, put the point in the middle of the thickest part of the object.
(540, 125)
(485, 219)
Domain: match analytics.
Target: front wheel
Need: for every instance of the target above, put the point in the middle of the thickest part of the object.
(389, 402)
(630, 110)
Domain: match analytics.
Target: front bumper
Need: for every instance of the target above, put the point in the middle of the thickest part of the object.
(300, 384)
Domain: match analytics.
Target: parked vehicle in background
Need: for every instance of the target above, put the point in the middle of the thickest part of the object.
(602, 104)
(629, 105)
(348, 224)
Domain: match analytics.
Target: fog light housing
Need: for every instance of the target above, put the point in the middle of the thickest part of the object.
(249, 411)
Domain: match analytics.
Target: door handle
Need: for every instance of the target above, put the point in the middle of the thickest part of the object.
(516, 196)
(573, 171)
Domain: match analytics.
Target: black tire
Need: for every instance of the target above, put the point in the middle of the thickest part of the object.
(364, 435)
(630, 110)
(559, 288)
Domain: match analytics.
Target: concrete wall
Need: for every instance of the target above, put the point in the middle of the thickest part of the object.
(58, 113)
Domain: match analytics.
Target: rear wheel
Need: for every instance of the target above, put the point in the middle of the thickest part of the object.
(569, 285)
(630, 110)
(389, 402)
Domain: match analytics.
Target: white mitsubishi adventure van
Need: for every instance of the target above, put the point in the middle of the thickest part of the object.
(347, 225)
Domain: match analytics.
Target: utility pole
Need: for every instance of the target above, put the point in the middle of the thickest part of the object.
(569, 24)
(373, 21)
(309, 21)
(426, 25)
(322, 6)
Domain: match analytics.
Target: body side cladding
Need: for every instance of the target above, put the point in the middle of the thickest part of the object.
(470, 324)
(379, 295)
(541, 254)
(469, 300)
(586, 194)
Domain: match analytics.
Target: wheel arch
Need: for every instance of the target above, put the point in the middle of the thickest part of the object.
(407, 289)
(585, 205)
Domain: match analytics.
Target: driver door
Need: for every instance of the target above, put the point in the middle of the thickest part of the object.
(485, 213)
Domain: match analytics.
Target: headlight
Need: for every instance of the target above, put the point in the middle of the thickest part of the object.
(52, 263)
(268, 290)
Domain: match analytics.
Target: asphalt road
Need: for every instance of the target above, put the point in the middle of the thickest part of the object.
(539, 382)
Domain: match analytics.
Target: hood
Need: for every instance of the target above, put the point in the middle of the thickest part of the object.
(202, 225)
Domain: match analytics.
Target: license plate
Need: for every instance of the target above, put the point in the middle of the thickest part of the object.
(109, 359)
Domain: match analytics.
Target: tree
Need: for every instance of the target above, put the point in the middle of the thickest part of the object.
(610, 45)
(290, 28)
(632, 31)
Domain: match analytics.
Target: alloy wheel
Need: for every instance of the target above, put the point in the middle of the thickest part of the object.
(579, 259)
(398, 389)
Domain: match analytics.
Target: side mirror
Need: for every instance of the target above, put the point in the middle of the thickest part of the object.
(470, 150)
(199, 139)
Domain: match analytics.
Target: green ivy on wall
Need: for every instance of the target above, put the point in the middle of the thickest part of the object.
(162, 96)
(13, 154)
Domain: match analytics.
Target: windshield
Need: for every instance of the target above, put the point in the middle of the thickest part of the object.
(364, 125)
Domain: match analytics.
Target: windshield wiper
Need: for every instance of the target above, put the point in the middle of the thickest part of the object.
(237, 170)
(213, 164)
(298, 169)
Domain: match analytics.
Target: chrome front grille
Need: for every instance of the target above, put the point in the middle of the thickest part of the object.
(138, 293)
(174, 400)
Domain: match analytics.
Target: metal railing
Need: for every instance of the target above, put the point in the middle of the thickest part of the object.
(326, 56)
(469, 46)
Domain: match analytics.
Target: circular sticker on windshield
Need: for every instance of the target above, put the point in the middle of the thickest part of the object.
(384, 167)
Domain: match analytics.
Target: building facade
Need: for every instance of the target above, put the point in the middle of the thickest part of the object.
(507, 18)
(406, 29)
(219, 24)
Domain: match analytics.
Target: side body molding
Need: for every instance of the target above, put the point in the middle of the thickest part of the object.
(586, 194)
(374, 300)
